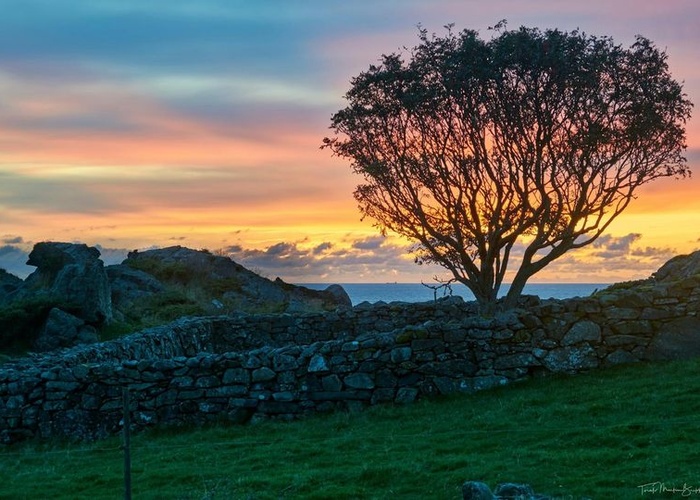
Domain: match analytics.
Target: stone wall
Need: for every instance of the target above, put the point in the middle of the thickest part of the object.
(251, 367)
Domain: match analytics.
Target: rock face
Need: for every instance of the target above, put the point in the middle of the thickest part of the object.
(231, 283)
(60, 303)
(74, 275)
(679, 268)
(129, 285)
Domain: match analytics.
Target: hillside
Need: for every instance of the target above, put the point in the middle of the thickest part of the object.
(72, 298)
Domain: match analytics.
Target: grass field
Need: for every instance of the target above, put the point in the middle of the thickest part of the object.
(600, 435)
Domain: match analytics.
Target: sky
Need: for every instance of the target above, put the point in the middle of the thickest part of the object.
(131, 124)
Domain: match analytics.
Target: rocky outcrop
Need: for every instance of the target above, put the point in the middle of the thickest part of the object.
(59, 304)
(232, 285)
(71, 293)
(74, 276)
(679, 268)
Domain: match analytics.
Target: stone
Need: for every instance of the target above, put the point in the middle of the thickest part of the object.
(445, 385)
(359, 381)
(284, 362)
(318, 364)
(621, 313)
(483, 383)
(476, 490)
(635, 327)
(620, 357)
(516, 361)
(678, 339)
(385, 378)
(283, 396)
(582, 331)
(340, 295)
(619, 340)
(332, 383)
(656, 313)
(435, 345)
(406, 395)
(514, 491)
(351, 346)
(263, 374)
(383, 396)
(236, 376)
(62, 329)
(400, 354)
(571, 359)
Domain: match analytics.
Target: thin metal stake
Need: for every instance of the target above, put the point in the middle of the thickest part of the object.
(127, 445)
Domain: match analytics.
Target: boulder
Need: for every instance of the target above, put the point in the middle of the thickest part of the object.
(340, 295)
(678, 339)
(74, 276)
(476, 490)
(62, 329)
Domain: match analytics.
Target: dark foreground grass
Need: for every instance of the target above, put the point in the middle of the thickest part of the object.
(601, 434)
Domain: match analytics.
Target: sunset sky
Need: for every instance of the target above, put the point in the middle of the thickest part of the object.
(132, 124)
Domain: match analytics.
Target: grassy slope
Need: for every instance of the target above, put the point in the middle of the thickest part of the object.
(601, 434)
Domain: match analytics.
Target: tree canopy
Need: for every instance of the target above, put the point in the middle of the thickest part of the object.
(514, 149)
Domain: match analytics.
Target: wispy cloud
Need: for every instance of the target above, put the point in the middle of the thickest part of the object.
(366, 259)
(12, 240)
(378, 259)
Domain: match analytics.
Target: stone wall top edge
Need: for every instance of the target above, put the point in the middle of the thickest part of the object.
(114, 351)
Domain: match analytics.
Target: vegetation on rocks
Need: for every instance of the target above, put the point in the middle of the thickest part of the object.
(148, 289)
(20, 320)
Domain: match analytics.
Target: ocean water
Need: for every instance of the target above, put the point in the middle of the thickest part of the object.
(416, 292)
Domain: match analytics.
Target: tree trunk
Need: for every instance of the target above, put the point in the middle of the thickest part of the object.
(515, 291)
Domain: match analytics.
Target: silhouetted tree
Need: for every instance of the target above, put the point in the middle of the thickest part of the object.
(517, 148)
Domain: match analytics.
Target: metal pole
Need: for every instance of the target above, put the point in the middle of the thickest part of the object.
(127, 445)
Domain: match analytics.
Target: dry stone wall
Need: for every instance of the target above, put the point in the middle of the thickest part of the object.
(252, 367)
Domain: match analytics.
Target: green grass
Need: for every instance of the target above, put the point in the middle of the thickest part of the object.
(600, 434)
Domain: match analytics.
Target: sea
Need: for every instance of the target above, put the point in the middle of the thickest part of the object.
(417, 292)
